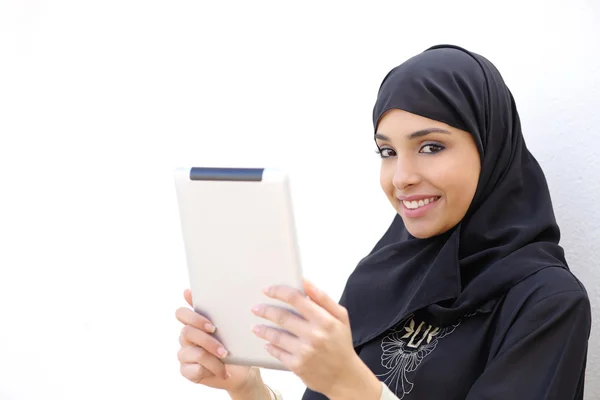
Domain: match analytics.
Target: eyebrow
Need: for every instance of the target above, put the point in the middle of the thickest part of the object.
(417, 134)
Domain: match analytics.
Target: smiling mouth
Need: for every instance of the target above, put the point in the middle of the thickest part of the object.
(416, 204)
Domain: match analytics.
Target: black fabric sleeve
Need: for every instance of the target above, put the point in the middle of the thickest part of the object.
(543, 354)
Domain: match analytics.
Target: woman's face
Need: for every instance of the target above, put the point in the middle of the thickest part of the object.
(429, 171)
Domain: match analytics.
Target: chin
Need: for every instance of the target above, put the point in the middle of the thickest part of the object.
(420, 234)
(424, 233)
(423, 230)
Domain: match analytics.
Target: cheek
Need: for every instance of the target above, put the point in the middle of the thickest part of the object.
(386, 175)
(460, 184)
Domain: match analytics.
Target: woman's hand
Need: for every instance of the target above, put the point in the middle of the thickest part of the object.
(318, 348)
(200, 358)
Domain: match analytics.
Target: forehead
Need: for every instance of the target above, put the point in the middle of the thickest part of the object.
(396, 121)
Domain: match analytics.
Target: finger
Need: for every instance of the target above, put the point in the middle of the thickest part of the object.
(183, 342)
(326, 302)
(208, 342)
(305, 306)
(191, 317)
(187, 295)
(194, 372)
(284, 318)
(286, 358)
(197, 355)
(279, 338)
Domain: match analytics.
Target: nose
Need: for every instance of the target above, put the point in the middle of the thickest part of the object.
(405, 174)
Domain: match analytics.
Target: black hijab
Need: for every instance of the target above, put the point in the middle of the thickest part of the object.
(509, 231)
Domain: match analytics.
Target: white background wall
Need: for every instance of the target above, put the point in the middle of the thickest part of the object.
(99, 100)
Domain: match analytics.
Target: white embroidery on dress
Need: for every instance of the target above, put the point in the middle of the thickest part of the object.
(404, 349)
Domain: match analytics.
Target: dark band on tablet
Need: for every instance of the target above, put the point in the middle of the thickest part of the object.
(226, 174)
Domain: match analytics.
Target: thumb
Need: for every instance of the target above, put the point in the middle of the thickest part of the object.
(187, 295)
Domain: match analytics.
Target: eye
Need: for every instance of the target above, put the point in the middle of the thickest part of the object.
(385, 152)
(431, 148)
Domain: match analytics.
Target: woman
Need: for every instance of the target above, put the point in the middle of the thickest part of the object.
(466, 296)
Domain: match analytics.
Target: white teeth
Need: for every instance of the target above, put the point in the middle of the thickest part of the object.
(417, 204)
(410, 204)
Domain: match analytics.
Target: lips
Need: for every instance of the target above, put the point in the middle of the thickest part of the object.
(418, 206)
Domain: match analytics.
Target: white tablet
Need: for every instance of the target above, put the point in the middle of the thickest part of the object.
(239, 237)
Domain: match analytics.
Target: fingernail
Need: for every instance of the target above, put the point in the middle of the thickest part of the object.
(266, 290)
(227, 375)
(221, 352)
(210, 327)
(255, 309)
(256, 329)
